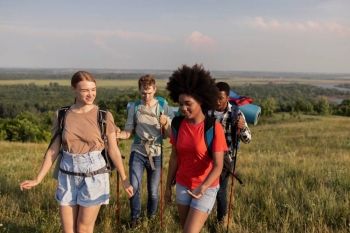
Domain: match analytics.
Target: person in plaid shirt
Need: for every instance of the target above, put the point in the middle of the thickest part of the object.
(222, 113)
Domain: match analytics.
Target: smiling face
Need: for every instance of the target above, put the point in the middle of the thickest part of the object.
(189, 107)
(222, 101)
(147, 94)
(85, 92)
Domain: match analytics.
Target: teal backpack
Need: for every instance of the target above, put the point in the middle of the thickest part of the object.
(161, 102)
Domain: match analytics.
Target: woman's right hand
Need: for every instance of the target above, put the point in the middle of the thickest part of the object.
(128, 188)
(117, 133)
(28, 184)
(167, 196)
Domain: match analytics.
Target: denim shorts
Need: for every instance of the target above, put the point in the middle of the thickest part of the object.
(204, 204)
(79, 190)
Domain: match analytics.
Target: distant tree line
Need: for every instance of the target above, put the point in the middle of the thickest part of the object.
(26, 111)
(62, 75)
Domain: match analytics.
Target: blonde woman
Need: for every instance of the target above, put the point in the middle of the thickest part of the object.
(80, 196)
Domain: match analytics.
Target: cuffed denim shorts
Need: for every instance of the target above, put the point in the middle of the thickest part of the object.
(204, 204)
(79, 190)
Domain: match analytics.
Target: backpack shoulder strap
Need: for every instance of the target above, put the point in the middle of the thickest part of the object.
(136, 107)
(102, 122)
(161, 103)
(234, 121)
(60, 118)
(175, 125)
(209, 133)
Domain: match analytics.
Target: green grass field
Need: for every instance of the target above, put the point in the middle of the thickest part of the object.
(296, 174)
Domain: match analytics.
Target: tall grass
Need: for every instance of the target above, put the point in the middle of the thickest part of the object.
(296, 174)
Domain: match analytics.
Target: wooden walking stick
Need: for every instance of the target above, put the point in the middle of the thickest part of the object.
(161, 175)
(118, 194)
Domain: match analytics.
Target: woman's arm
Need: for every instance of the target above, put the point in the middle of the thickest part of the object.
(116, 157)
(218, 162)
(171, 174)
(50, 157)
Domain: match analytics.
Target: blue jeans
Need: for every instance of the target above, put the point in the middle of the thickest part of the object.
(221, 197)
(137, 165)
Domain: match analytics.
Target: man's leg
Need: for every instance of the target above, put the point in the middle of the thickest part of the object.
(136, 167)
(153, 179)
(221, 199)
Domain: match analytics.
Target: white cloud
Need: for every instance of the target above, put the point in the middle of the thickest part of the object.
(309, 26)
(148, 37)
(40, 48)
(69, 34)
(201, 43)
(101, 44)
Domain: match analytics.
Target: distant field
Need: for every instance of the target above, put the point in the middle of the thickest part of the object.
(161, 83)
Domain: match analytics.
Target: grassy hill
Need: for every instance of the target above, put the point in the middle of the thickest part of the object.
(296, 174)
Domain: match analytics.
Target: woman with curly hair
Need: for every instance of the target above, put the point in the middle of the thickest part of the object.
(196, 172)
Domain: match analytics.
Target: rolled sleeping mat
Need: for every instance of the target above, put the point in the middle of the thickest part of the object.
(251, 113)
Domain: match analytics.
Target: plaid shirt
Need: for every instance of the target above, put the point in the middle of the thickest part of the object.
(226, 122)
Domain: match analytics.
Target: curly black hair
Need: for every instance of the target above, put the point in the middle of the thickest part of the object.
(196, 82)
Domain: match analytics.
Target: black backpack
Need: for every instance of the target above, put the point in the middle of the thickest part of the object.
(102, 123)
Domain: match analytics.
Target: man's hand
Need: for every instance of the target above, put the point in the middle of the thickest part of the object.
(241, 122)
(163, 120)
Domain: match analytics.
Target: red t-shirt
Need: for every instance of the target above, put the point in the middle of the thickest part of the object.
(194, 162)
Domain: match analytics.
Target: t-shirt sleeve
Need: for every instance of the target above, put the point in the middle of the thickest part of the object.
(219, 142)
(111, 127)
(168, 112)
(129, 125)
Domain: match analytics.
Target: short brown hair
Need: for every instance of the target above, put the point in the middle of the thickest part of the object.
(81, 76)
(147, 81)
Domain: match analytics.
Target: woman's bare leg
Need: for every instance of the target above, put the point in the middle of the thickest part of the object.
(183, 211)
(195, 221)
(69, 216)
(86, 218)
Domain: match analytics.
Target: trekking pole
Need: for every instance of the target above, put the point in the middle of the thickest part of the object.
(161, 175)
(235, 148)
(118, 200)
(118, 195)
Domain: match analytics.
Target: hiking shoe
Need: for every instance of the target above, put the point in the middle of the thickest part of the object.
(134, 223)
(220, 222)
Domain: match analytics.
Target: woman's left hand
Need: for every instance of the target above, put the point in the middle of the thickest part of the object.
(128, 188)
(197, 192)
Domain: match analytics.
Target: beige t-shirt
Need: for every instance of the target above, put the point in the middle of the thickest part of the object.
(81, 133)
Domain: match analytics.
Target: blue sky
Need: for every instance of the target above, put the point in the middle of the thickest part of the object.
(264, 35)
